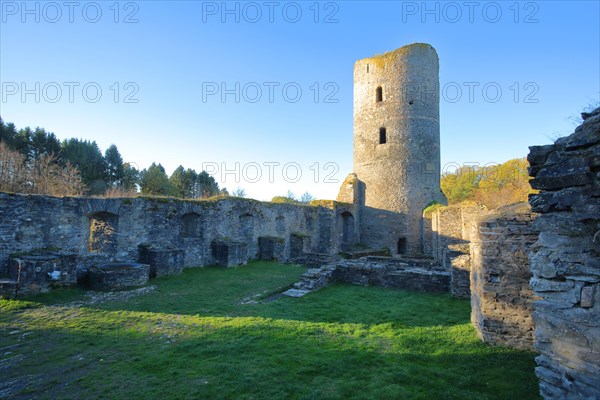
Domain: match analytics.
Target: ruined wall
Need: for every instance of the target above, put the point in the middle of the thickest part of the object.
(408, 274)
(565, 262)
(102, 230)
(448, 231)
(501, 299)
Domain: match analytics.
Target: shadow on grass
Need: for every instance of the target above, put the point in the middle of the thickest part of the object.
(114, 354)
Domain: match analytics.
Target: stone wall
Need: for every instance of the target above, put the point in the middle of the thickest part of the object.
(501, 299)
(398, 273)
(100, 230)
(565, 262)
(449, 231)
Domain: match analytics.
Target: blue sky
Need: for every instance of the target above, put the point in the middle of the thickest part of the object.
(162, 66)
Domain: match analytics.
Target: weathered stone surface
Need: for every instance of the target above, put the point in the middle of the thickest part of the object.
(118, 276)
(271, 248)
(501, 299)
(316, 259)
(296, 292)
(40, 272)
(162, 261)
(450, 232)
(8, 288)
(228, 253)
(565, 263)
(399, 273)
(396, 146)
(104, 230)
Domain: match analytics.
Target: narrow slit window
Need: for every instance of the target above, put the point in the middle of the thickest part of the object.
(382, 136)
(379, 94)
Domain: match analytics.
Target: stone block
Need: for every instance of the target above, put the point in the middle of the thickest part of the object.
(162, 261)
(40, 272)
(228, 253)
(118, 276)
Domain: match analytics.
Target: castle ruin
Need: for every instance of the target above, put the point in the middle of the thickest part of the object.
(532, 273)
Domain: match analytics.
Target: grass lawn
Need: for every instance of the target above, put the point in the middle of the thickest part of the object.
(215, 333)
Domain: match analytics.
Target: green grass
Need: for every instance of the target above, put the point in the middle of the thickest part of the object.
(199, 336)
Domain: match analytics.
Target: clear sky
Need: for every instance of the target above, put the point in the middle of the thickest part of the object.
(268, 84)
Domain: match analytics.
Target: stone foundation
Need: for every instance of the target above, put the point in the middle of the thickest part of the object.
(565, 262)
(118, 276)
(416, 275)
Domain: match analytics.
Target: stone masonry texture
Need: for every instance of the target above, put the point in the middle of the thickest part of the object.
(97, 230)
(397, 144)
(501, 299)
(565, 262)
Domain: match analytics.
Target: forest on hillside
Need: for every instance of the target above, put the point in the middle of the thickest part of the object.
(492, 185)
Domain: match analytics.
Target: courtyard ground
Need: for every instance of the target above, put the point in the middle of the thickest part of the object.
(215, 333)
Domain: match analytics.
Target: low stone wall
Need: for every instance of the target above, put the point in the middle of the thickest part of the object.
(8, 288)
(565, 262)
(38, 273)
(316, 259)
(416, 275)
(118, 276)
(162, 261)
(501, 299)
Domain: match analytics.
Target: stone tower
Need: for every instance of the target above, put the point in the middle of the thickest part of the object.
(397, 144)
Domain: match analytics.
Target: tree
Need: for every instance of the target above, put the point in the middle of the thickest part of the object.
(113, 163)
(239, 192)
(42, 175)
(306, 198)
(48, 177)
(22, 141)
(185, 182)
(492, 186)
(13, 175)
(131, 177)
(43, 143)
(8, 133)
(87, 158)
(154, 181)
(459, 186)
(208, 187)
